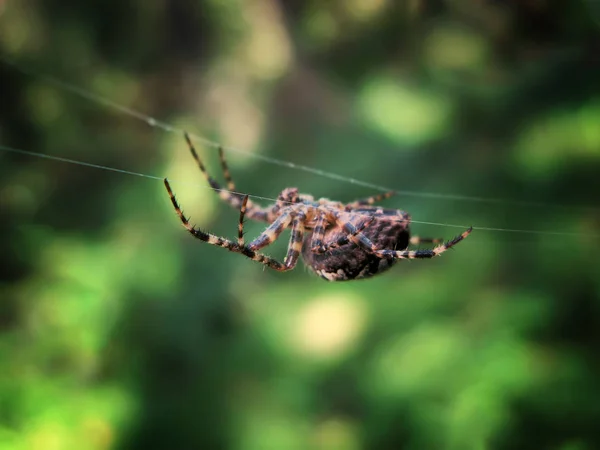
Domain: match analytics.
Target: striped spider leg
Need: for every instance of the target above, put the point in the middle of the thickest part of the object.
(357, 237)
(369, 201)
(416, 240)
(229, 195)
(319, 233)
(319, 230)
(343, 241)
(429, 253)
(290, 215)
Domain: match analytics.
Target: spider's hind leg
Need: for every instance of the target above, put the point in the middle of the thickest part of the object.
(368, 201)
(355, 235)
(418, 254)
(416, 240)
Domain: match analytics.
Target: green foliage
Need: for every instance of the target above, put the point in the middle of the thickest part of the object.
(118, 330)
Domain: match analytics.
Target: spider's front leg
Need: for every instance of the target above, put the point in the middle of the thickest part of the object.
(274, 231)
(236, 247)
(296, 240)
(316, 244)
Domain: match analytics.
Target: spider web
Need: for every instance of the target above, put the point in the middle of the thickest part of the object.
(168, 128)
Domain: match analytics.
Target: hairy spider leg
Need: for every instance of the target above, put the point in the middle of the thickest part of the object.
(241, 221)
(416, 240)
(369, 200)
(296, 241)
(355, 235)
(285, 198)
(365, 243)
(318, 233)
(344, 239)
(225, 170)
(274, 230)
(253, 211)
(228, 244)
(412, 254)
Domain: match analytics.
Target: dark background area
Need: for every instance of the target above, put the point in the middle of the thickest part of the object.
(118, 330)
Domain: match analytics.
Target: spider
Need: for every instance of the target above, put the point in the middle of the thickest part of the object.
(337, 241)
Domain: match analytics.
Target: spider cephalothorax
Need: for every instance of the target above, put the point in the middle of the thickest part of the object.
(337, 241)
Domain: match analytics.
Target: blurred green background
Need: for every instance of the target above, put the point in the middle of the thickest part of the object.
(119, 331)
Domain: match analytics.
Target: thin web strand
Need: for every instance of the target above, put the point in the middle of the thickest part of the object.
(123, 171)
(269, 199)
(155, 123)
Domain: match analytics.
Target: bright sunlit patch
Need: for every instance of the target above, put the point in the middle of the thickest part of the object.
(364, 10)
(268, 49)
(328, 325)
(49, 436)
(336, 433)
(197, 191)
(408, 115)
(240, 120)
(74, 419)
(477, 414)
(98, 432)
(233, 96)
(271, 427)
(424, 359)
(23, 32)
(560, 138)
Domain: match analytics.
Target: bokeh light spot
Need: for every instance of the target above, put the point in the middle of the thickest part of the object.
(405, 114)
(328, 325)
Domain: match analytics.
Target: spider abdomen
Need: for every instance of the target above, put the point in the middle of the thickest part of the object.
(350, 261)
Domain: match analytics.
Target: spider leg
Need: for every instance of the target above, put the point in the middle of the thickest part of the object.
(272, 232)
(295, 245)
(226, 243)
(318, 234)
(365, 243)
(370, 200)
(241, 221)
(344, 239)
(416, 240)
(417, 254)
(225, 169)
(355, 235)
(252, 210)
